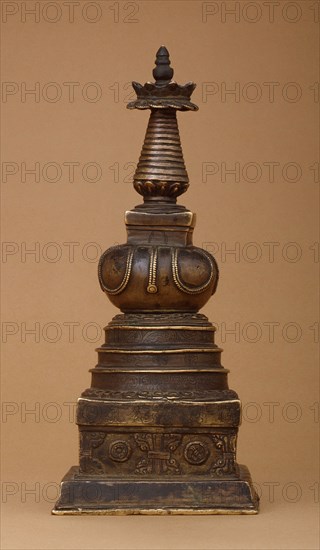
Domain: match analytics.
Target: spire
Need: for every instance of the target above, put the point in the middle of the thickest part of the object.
(161, 172)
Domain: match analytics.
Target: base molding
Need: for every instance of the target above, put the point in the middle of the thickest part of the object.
(99, 495)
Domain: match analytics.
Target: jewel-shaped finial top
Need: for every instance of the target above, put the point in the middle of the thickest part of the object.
(164, 92)
(162, 72)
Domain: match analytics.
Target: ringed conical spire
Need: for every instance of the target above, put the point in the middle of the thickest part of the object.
(161, 170)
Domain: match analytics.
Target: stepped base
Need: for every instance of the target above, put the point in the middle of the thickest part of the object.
(101, 496)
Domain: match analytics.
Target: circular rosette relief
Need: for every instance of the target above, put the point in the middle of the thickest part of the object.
(119, 450)
(196, 452)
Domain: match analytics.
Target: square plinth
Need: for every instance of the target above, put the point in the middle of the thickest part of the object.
(102, 496)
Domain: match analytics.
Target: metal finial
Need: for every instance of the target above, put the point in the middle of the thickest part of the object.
(164, 93)
(162, 73)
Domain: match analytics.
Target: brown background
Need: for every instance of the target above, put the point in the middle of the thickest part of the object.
(279, 373)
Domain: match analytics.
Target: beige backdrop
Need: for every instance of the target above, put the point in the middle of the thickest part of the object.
(252, 157)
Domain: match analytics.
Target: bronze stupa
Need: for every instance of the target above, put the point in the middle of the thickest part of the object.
(158, 426)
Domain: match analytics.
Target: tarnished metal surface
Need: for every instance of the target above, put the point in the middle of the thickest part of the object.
(158, 426)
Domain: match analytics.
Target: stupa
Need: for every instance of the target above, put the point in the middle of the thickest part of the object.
(158, 426)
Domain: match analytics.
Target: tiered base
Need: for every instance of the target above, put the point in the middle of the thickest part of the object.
(158, 427)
